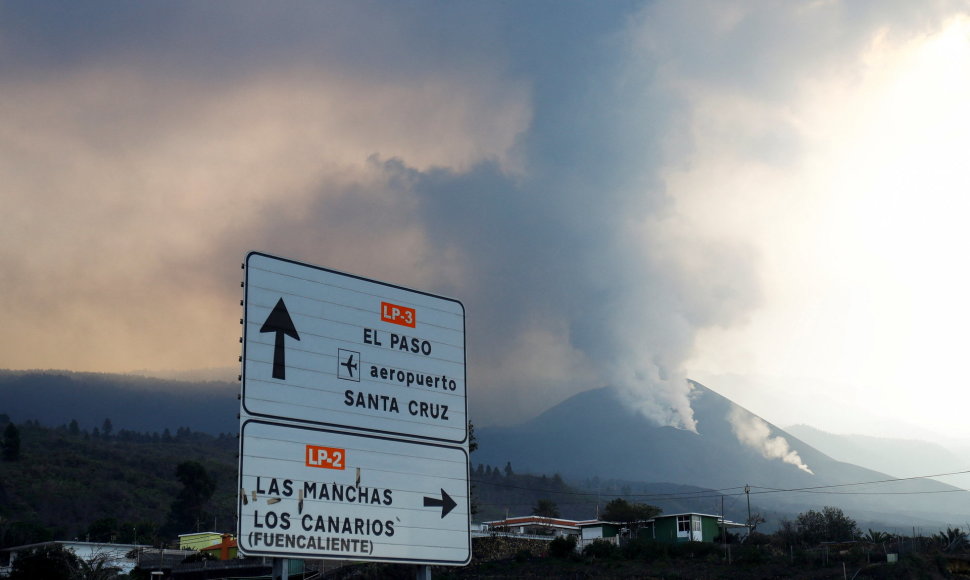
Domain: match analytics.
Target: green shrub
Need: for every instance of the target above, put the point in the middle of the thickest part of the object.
(601, 549)
(563, 547)
(645, 549)
(694, 550)
(51, 562)
(750, 554)
(757, 539)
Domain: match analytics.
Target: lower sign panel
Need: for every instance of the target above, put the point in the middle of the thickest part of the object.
(315, 493)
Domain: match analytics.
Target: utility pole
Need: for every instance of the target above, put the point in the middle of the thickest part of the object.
(723, 526)
(281, 569)
(747, 493)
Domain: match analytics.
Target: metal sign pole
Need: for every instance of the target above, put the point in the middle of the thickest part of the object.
(424, 572)
(281, 569)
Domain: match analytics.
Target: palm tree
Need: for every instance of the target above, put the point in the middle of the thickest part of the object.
(952, 539)
(876, 537)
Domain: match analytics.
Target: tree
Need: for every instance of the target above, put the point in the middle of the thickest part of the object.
(102, 530)
(11, 443)
(631, 514)
(472, 441)
(563, 547)
(97, 568)
(51, 562)
(106, 428)
(145, 532)
(876, 537)
(22, 533)
(189, 507)
(754, 521)
(472, 446)
(546, 508)
(508, 469)
(620, 510)
(828, 525)
(787, 532)
(952, 540)
(839, 526)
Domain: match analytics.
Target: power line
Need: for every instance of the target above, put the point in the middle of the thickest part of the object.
(878, 492)
(738, 490)
(707, 493)
(878, 481)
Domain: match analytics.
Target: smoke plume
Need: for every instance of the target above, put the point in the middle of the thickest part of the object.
(755, 433)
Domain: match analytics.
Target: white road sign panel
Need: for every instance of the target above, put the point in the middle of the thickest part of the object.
(318, 493)
(331, 349)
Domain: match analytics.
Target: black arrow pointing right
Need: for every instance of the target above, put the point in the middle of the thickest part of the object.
(279, 321)
(445, 503)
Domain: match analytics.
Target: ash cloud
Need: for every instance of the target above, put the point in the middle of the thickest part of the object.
(507, 155)
(579, 251)
(511, 155)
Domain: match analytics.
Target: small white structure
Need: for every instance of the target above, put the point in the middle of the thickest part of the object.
(597, 530)
(535, 525)
(114, 555)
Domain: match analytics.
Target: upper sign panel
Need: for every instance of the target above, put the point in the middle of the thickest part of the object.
(329, 348)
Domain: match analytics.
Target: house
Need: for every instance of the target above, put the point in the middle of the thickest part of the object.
(686, 527)
(199, 540)
(534, 525)
(596, 530)
(670, 528)
(585, 531)
(124, 557)
(227, 549)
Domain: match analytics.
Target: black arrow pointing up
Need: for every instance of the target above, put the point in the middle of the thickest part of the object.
(445, 503)
(279, 321)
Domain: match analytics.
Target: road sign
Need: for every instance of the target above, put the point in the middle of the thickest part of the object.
(336, 350)
(353, 419)
(320, 493)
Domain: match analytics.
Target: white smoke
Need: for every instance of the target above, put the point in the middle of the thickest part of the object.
(755, 433)
(662, 398)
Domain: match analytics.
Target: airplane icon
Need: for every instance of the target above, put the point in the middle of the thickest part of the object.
(350, 364)
(349, 360)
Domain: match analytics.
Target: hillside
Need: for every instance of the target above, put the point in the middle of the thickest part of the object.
(899, 457)
(69, 483)
(131, 402)
(64, 481)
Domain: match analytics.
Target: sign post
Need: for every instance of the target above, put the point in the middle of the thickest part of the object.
(353, 419)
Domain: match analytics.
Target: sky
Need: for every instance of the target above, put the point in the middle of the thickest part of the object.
(769, 198)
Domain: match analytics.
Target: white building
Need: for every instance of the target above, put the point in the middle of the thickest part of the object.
(114, 555)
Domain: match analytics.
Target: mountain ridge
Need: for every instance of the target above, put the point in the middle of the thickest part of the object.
(132, 402)
(593, 433)
(590, 435)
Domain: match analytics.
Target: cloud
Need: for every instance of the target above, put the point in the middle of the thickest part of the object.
(131, 199)
(507, 156)
(558, 167)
